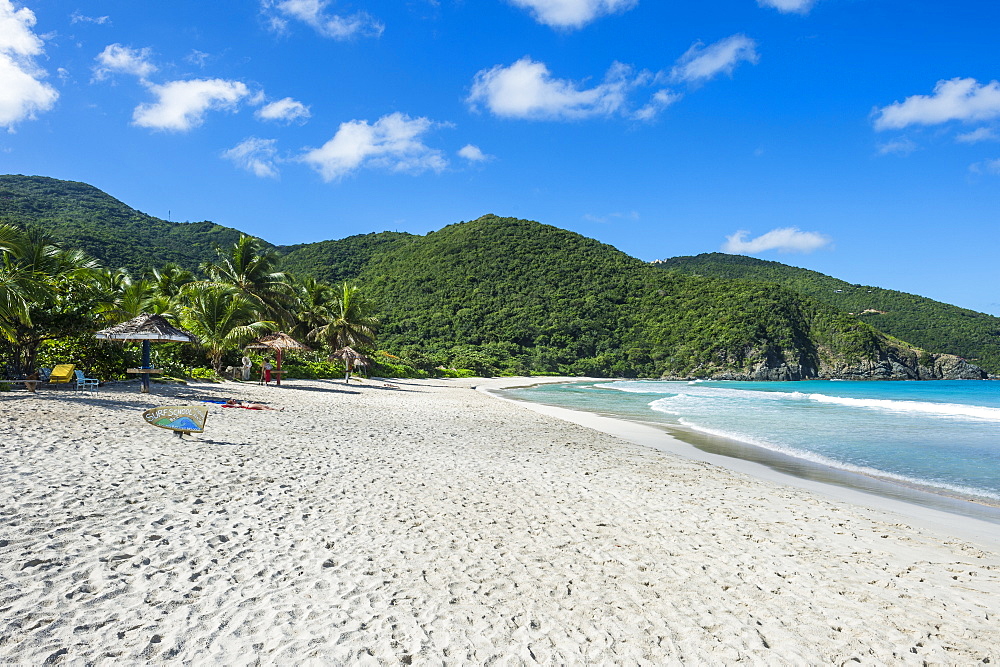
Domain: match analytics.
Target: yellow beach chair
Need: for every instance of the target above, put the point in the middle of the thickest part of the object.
(62, 374)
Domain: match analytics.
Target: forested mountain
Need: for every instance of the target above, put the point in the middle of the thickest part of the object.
(506, 295)
(538, 297)
(77, 215)
(508, 290)
(932, 325)
(336, 261)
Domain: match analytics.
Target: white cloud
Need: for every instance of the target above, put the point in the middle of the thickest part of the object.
(392, 142)
(473, 154)
(701, 63)
(126, 60)
(573, 13)
(22, 93)
(955, 99)
(788, 6)
(258, 156)
(611, 217)
(196, 57)
(786, 239)
(526, 89)
(314, 14)
(77, 17)
(978, 135)
(181, 105)
(661, 100)
(286, 111)
(903, 146)
(985, 167)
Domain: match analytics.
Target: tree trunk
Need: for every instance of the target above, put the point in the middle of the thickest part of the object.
(23, 356)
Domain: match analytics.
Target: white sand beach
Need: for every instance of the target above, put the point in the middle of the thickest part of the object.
(434, 524)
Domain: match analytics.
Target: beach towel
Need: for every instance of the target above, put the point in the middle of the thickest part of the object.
(251, 406)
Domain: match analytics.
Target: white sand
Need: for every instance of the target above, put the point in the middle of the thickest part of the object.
(435, 524)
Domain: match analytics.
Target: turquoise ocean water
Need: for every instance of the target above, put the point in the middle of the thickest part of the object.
(942, 437)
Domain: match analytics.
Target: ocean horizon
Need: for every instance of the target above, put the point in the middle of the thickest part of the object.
(938, 439)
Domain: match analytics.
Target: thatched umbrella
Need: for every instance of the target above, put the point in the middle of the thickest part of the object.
(351, 358)
(148, 329)
(279, 342)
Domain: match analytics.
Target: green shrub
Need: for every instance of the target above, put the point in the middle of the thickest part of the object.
(109, 360)
(399, 371)
(390, 365)
(457, 373)
(206, 374)
(304, 369)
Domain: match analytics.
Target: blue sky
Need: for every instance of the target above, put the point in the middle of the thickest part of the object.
(860, 138)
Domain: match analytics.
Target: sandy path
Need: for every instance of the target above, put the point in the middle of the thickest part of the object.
(435, 524)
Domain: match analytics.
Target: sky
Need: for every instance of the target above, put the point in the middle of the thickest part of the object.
(859, 138)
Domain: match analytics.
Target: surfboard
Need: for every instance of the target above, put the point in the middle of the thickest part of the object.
(178, 418)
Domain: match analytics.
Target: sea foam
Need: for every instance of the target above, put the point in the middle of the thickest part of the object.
(979, 412)
(947, 410)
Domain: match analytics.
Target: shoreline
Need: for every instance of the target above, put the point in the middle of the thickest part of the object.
(421, 522)
(950, 516)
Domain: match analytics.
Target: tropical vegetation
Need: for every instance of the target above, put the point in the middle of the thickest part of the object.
(501, 295)
(490, 296)
(931, 325)
(45, 294)
(53, 300)
(80, 216)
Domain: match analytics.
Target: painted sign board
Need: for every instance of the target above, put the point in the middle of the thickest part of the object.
(179, 418)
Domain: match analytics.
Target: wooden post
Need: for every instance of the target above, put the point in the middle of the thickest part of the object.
(146, 363)
(277, 358)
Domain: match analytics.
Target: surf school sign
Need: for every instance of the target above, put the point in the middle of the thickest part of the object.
(178, 418)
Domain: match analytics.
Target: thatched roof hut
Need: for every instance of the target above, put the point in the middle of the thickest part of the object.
(148, 329)
(277, 341)
(351, 357)
(152, 328)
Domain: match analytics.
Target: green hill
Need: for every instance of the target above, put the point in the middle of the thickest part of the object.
(545, 297)
(929, 324)
(80, 216)
(527, 296)
(336, 261)
(501, 294)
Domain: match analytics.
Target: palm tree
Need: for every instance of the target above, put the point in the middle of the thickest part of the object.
(125, 298)
(16, 283)
(350, 322)
(222, 318)
(170, 279)
(167, 285)
(312, 305)
(45, 293)
(251, 270)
